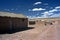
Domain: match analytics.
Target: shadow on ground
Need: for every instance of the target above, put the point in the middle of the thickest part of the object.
(16, 30)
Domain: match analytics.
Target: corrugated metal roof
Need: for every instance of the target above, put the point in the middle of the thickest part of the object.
(8, 14)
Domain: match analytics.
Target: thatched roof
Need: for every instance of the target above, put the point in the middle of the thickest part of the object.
(8, 14)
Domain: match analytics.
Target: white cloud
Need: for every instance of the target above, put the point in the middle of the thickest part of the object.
(37, 14)
(29, 10)
(38, 9)
(37, 3)
(50, 13)
(7, 9)
(54, 10)
(12, 9)
(56, 15)
(57, 7)
(47, 13)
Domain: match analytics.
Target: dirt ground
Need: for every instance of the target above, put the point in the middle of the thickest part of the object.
(48, 32)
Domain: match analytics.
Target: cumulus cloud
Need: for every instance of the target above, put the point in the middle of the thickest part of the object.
(54, 10)
(47, 13)
(56, 15)
(57, 7)
(50, 12)
(12, 9)
(7, 9)
(37, 3)
(37, 9)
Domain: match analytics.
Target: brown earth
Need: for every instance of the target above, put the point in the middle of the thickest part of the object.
(48, 32)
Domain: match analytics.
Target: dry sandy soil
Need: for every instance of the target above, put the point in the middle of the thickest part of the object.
(48, 32)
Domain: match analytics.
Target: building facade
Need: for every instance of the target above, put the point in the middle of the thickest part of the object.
(12, 22)
(42, 21)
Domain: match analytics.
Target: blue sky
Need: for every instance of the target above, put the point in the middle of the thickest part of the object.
(32, 8)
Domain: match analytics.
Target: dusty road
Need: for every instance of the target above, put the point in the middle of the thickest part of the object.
(49, 32)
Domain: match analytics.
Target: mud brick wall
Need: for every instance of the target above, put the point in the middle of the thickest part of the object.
(4, 24)
(18, 23)
(8, 23)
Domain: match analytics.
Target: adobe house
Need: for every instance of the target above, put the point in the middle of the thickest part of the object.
(35, 22)
(12, 21)
(42, 21)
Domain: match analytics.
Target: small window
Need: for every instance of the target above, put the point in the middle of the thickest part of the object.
(31, 22)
